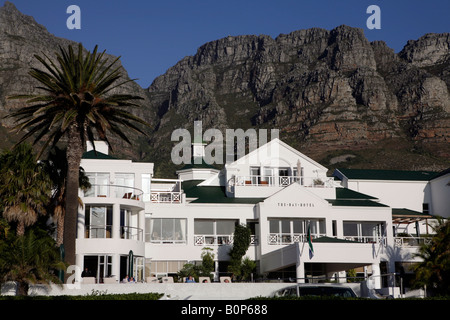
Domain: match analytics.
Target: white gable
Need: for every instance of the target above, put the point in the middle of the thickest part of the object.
(296, 197)
(277, 153)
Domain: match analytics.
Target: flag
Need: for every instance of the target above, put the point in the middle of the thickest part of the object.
(309, 239)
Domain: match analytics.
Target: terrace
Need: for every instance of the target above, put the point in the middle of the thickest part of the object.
(283, 181)
(166, 191)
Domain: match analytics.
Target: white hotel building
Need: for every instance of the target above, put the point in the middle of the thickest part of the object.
(371, 221)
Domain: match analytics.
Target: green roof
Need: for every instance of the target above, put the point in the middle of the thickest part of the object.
(403, 215)
(194, 165)
(355, 203)
(332, 240)
(348, 194)
(366, 174)
(350, 198)
(212, 194)
(97, 155)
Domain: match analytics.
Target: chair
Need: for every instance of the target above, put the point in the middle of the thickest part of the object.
(152, 280)
(88, 280)
(110, 280)
(225, 279)
(167, 279)
(202, 279)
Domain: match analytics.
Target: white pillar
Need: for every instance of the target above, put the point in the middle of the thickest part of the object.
(116, 221)
(141, 224)
(299, 266)
(376, 276)
(116, 266)
(81, 223)
(300, 272)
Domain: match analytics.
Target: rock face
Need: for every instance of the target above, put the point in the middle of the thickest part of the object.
(20, 39)
(326, 90)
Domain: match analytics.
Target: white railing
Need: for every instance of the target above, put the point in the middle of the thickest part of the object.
(411, 241)
(131, 233)
(283, 181)
(366, 239)
(114, 191)
(166, 191)
(218, 240)
(165, 197)
(289, 238)
(105, 232)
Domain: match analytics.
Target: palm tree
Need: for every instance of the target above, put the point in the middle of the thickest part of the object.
(24, 187)
(56, 167)
(77, 102)
(29, 259)
(434, 270)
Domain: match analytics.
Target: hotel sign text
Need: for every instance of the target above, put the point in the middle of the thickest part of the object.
(296, 204)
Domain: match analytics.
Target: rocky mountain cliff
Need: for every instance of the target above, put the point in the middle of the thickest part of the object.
(20, 39)
(333, 94)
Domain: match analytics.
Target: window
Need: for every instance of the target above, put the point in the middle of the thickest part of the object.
(218, 232)
(334, 226)
(98, 222)
(99, 182)
(425, 208)
(363, 231)
(255, 175)
(124, 184)
(166, 230)
(287, 231)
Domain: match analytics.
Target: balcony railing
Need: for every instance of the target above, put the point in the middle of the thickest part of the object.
(411, 241)
(218, 240)
(366, 239)
(114, 191)
(105, 232)
(289, 238)
(165, 197)
(131, 233)
(283, 181)
(98, 231)
(166, 191)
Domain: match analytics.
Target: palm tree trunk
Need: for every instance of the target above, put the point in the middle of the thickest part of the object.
(20, 228)
(60, 230)
(74, 152)
(22, 288)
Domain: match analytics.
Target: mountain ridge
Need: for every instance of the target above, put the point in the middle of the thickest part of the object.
(330, 92)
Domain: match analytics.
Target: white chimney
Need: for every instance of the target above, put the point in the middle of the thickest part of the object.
(100, 146)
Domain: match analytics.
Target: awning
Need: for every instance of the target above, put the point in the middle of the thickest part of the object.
(407, 216)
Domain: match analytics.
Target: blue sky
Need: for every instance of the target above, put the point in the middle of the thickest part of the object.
(151, 36)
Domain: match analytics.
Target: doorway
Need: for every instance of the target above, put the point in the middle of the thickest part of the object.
(98, 266)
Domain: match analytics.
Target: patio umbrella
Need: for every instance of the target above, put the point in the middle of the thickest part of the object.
(130, 263)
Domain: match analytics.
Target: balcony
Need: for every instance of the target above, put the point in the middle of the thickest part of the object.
(105, 232)
(166, 191)
(217, 240)
(283, 181)
(114, 191)
(288, 238)
(403, 242)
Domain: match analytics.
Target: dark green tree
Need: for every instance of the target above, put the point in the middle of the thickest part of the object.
(434, 270)
(241, 242)
(77, 102)
(29, 259)
(25, 187)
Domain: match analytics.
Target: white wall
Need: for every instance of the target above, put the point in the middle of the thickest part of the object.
(396, 194)
(440, 191)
